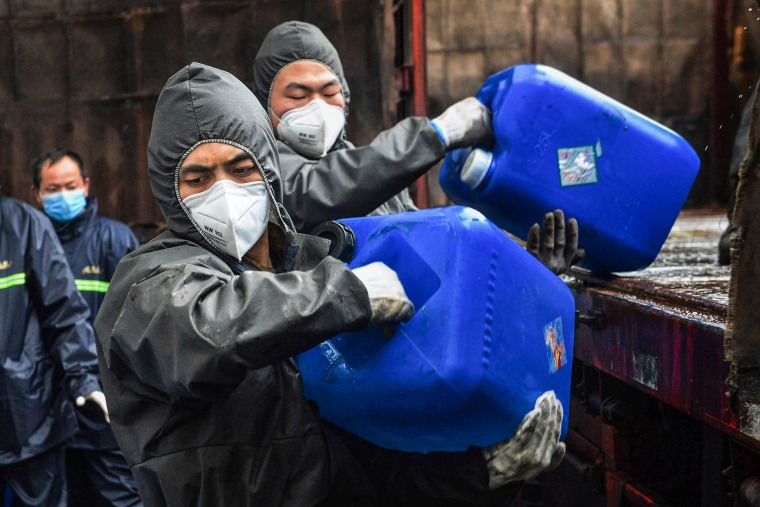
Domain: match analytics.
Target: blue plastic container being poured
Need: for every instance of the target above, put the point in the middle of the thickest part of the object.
(561, 144)
(493, 330)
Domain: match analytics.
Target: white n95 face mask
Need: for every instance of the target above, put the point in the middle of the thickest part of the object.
(232, 215)
(313, 129)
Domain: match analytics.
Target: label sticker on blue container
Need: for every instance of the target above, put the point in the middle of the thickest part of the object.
(577, 166)
(555, 345)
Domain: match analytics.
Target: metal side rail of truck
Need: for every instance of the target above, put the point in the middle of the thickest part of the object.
(652, 420)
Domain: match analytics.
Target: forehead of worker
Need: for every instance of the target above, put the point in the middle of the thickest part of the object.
(63, 170)
(306, 76)
(289, 42)
(209, 163)
(220, 158)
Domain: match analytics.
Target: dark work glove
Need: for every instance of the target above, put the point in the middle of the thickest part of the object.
(555, 245)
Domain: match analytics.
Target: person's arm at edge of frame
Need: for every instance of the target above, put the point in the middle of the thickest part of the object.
(62, 311)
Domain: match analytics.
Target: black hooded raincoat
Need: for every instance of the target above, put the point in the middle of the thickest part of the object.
(46, 346)
(195, 349)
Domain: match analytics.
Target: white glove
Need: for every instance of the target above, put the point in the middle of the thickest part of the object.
(465, 123)
(99, 399)
(534, 448)
(386, 294)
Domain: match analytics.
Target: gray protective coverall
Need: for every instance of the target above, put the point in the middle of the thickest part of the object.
(195, 349)
(347, 181)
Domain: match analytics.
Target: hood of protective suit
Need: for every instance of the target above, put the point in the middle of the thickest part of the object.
(202, 104)
(290, 42)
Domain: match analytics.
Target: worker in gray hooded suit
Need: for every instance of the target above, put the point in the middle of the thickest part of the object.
(197, 329)
(298, 77)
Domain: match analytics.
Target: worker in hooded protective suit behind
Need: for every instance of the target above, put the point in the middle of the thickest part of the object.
(298, 78)
(197, 330)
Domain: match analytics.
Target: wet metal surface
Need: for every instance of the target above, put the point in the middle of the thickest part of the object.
(685, 280)
(688, 263)
(662, 327)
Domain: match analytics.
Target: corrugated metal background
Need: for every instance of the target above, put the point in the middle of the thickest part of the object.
(85, 75)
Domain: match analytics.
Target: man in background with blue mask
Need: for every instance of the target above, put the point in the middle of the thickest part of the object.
(94, 245)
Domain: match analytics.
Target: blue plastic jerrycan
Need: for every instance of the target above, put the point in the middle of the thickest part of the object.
(561, 144)
(493, 330)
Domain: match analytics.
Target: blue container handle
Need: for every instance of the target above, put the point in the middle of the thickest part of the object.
(492, 85)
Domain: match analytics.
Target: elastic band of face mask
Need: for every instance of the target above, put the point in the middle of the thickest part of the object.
(312, 130)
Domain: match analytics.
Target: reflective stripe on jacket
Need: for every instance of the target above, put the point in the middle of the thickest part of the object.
(46, 345)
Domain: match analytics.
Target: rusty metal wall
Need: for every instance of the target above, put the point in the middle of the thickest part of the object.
(85, 75)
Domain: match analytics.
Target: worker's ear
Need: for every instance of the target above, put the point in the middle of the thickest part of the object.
(36, 194)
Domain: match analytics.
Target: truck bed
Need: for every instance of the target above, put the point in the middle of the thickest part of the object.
(661, 329)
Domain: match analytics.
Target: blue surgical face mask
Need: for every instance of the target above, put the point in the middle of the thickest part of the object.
(64, 206)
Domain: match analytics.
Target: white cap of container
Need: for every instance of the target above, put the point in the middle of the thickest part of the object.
(476, 167)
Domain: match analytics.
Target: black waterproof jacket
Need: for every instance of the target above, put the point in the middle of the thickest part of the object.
(94, 245)
(195, 350)
(47, 351)
(347, 181)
